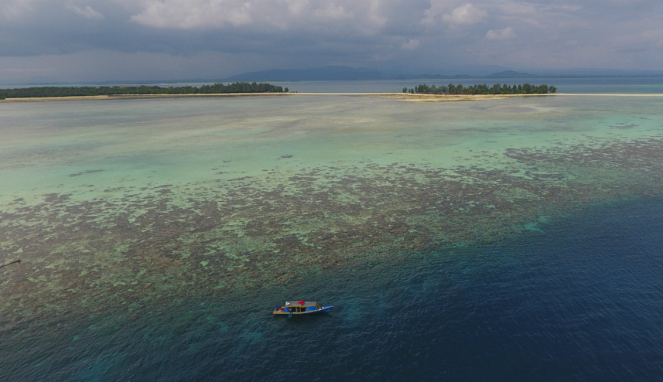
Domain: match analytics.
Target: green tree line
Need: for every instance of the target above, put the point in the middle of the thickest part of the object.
(481, 89)
(71, 91)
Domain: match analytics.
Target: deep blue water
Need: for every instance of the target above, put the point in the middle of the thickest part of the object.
(580, 300)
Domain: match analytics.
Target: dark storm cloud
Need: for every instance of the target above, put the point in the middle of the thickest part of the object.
(418, 34)
(45, 27)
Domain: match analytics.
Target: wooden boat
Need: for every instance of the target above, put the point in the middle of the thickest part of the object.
(295, 308)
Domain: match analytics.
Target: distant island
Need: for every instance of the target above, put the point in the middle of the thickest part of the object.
(481, 89)
(85, 91)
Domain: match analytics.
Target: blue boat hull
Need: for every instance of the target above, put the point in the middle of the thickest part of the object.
(278, 312)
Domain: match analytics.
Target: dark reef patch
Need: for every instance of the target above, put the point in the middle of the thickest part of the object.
(85, 172)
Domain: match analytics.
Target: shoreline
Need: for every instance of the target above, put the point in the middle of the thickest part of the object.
(133, 96)
(401, 96)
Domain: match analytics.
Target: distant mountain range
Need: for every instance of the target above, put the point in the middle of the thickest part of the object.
(509, 74)
(329, 73)
(326, 73)
(346, 73)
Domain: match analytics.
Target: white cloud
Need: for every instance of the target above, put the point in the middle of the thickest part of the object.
(431, 14)
(411, 44)
(332, 12)
(188, 14)
(86, 11)
(501, 34)
(366, 16)
(465, 15)
(295, 7)
(13, 9)
(375, 15)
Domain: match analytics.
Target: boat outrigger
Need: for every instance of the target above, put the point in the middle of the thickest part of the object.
(299, 307)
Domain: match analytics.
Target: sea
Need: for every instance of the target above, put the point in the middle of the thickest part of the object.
(514, 239)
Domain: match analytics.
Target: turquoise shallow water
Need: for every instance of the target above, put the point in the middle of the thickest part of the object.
(514, 238)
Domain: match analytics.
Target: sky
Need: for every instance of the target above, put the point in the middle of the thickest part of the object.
(134, 40)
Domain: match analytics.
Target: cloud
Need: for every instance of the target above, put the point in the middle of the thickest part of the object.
(465, 15)
(267, 34)
(331, 12)
(86, 12)
(411, 44)
(183, 14)
(261, 14)
(375, 15)
(655, 35)
(500, 34)
(431, 14)
(296, 7)
(14, 9)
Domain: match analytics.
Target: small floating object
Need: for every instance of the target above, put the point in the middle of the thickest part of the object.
(295, 308)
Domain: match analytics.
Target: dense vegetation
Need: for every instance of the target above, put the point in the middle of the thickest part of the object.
(55, 91)
(481, 89)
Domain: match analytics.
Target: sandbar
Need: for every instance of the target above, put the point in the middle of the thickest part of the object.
(134, 96)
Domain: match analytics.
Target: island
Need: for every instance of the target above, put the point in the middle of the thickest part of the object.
(481, 89)
(90, 91)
